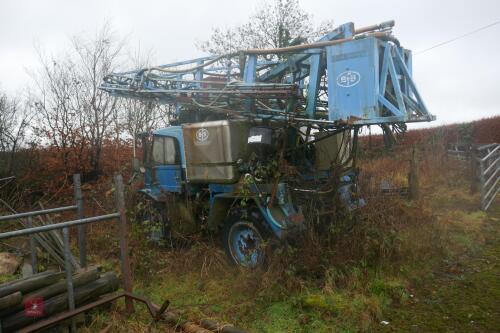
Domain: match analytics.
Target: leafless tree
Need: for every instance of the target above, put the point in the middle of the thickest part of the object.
(76, 116)
(142, 116)
(96, 58)
(15, 116)
(56, 94)
(277, 24)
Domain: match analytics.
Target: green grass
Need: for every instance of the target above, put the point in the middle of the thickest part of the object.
(8, 277)
(417, 295)
(433, 267)
(463, 298)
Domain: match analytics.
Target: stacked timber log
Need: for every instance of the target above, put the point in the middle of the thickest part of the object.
(25, 301)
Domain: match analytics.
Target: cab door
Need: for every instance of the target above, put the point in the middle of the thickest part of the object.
(167, 169)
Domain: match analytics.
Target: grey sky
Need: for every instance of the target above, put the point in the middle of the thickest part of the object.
(459, 81)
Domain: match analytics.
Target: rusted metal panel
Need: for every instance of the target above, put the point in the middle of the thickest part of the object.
(213, 148)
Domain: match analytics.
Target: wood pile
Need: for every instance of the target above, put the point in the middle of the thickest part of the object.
(27, 300)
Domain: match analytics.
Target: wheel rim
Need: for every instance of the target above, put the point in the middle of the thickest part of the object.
(244, 244)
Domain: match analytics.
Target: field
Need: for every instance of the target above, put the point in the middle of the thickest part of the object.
(270, 185)
(427, 265)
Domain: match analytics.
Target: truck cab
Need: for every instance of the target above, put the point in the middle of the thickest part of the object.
(180, 159)
(169, 164)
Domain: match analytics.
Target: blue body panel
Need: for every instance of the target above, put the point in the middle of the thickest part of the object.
(359, 74)
(229, 191)
(353, 83)
(169, 177)
(175, 132)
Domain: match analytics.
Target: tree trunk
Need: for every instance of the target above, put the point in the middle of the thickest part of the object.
(34, 282)
(10, 301)
(59, 287)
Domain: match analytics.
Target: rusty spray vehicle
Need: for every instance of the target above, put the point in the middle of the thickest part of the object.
(258, 130)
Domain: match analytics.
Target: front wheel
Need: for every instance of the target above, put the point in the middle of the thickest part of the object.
(243, 242)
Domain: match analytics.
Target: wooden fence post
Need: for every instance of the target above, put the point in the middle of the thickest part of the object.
(123, 232)
(473, 169)
(413, 186)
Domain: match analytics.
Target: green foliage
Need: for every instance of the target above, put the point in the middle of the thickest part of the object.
(147, 216)
(8, 277)
(465, 133)
(392, 289)
(333, 303)
(245, 190)
(412, 264)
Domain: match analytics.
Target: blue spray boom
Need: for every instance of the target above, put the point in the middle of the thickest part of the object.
(355, 76)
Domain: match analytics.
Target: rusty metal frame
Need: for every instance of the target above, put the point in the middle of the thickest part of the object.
(157, 313)
(78, 207)
(153, 310)
(36, 213)
(123, 231)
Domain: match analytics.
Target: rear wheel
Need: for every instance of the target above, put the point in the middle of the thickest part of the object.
(243, 241)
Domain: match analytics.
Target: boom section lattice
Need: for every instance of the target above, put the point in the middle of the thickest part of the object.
(349, 76)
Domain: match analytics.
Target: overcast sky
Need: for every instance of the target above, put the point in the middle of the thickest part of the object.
(459, 81)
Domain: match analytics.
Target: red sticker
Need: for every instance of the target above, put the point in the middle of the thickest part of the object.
(33, 307)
